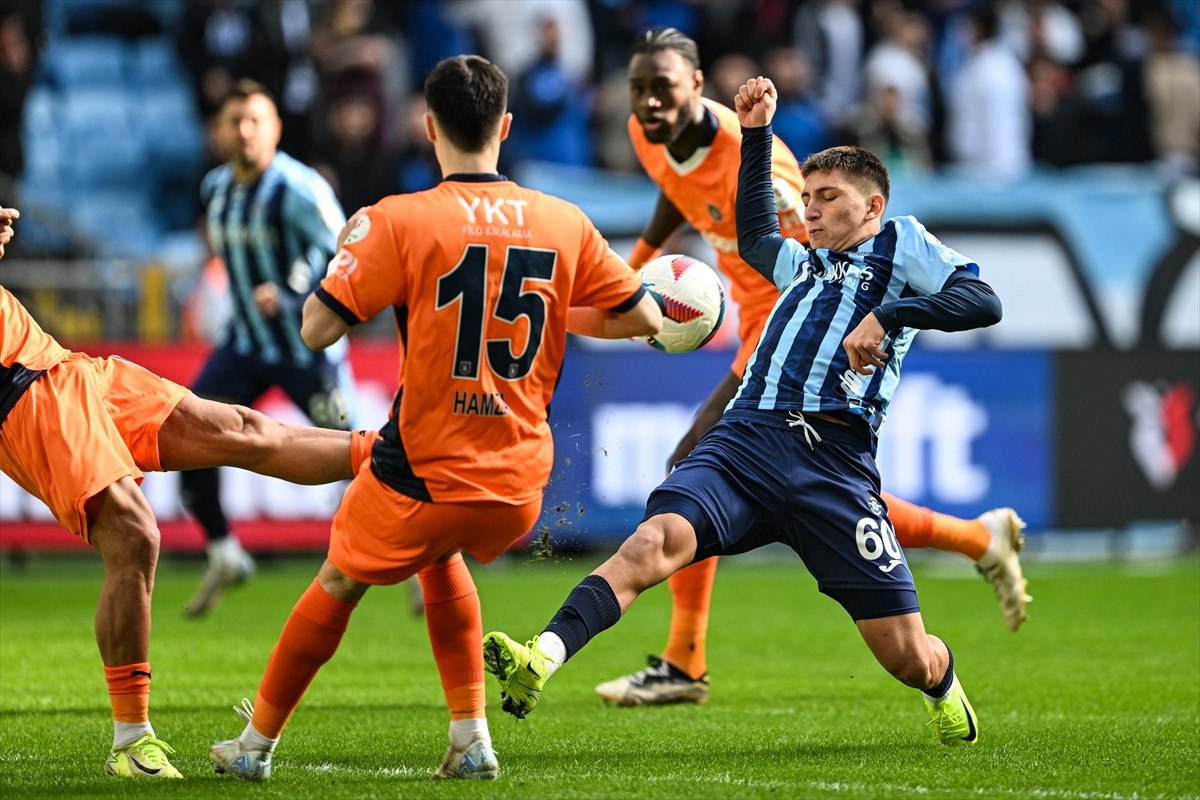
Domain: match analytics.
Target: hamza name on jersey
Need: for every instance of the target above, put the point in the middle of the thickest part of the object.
(481, 404)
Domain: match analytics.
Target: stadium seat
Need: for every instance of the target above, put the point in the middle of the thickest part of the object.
(154, 62)
(102, 146)
(121, 223)
(84, 61)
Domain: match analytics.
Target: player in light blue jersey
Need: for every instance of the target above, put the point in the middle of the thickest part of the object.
(274, 222)
(792, 458)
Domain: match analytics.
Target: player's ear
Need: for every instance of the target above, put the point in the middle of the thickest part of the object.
(698, 79)
(875, 206)
(505, 124)
(430, 128)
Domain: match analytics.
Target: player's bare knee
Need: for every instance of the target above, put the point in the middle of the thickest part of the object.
(645, 552)
(124, 529)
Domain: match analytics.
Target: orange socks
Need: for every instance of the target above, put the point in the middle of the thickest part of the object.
(455, 626)
(129, 691)
(917, 526)
(691, 592)
(309, 639)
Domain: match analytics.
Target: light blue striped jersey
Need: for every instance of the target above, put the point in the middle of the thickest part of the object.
(280, 228)
(799, 363)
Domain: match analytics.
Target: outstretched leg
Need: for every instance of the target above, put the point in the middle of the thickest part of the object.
(203, 433)
(660, 546)
(992, 540)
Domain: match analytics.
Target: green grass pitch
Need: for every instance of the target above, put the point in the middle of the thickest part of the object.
(1098, 697)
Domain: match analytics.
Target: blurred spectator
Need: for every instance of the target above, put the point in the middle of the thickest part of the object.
(17, 64)
(220, 41)
(727, 74)
(1111, 82)
(504, 28)
(434, 32)
(884, 124)
(550, 121)
(356, 50)
(759, 26)
(899, 61)
(417, 167)
(287, 31)
(1173, 96)
(990, 125)
(1042, 28)
(1064, 128)
(352, 159)
(798, 119)
(610, 123)
(833, 34)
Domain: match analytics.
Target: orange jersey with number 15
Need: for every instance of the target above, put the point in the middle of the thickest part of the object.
(480, 273)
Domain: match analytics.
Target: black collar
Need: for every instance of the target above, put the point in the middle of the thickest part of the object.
(474, 177)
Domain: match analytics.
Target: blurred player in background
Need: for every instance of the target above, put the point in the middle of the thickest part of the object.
(77, 432)
(792, 458)
(485, 278)
(689, 146)
(274, 222)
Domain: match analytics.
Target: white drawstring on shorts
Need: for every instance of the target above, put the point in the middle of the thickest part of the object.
(797, 420)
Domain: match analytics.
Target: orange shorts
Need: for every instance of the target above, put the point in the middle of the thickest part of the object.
(82, 426)
(380, 536)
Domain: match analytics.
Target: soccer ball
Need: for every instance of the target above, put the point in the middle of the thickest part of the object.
(692, 299)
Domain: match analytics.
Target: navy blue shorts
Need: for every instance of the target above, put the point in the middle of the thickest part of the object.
(753, 480)
(324, 390)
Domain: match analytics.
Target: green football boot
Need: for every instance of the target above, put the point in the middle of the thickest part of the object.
(953, 717)
(522, 671)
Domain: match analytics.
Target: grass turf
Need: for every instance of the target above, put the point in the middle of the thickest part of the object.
(1098, 697)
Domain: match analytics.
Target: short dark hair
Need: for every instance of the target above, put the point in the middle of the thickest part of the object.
(468, 96)
(245, 88)
(861, 165)
(659, 39)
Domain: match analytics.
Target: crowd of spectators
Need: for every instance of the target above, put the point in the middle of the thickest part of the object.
(994, 87)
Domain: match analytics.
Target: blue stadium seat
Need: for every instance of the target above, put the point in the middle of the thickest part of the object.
(154, 62)
(84, 61)
(40, 136)
(122, 223)
(103, 146)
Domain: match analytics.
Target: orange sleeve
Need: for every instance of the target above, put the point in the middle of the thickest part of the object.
(367, 274)
(603, 279)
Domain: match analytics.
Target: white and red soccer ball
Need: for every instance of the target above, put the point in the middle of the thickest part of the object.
(692, 298)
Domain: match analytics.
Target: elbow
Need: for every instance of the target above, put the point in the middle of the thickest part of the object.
(311, 340)
(748, 250)
(993, 311)
(315, 337)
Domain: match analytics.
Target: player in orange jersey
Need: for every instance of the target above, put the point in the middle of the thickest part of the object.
(77, 432)
(485, 279)
(690, 147)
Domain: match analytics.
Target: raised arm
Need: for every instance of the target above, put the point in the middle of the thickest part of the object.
(759, 238)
